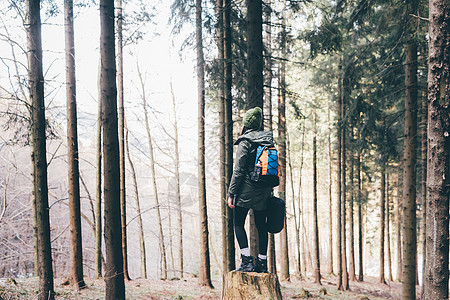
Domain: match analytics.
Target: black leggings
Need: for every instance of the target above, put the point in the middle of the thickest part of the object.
(240, 213)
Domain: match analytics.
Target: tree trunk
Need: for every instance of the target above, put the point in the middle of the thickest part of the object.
(220, 37)
(438, 167)
(330, 199)
(34, 208)
(205, 268)
(352, 275)
(36, 88)
(98, 182)
(299, 230)
(177, 188)
(267, 10)
(228, 55)
(424, 187)
(409, 185)
(222, 151)
(345, 283)
(115, 287)
(382, 221)
(399, 222)
(75, 277)
(255, 61)
(123, 204)
(243, 285)
(271, 252)
(138, 210)
(268, 76)
(298, 215)
(388, 227)
(339, 180)
(253, 234)
(360, 220)
(170, 235)
(291, 176)
(315, 222)
(282, 187)
(162, 246)
(271, 258)
(35, 226)
(304, 240)
(284, 251)
(255, 91)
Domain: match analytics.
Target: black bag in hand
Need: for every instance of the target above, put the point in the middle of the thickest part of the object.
(276, 212)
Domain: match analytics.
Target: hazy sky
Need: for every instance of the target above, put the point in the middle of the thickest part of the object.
(158, 56)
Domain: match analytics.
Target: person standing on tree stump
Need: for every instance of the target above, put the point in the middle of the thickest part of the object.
(245, 194)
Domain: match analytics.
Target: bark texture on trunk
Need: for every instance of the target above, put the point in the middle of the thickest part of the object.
(35, 226)
(284, 251)
(255, 61)
(98, 187)
(330, 198)
(255, 91)
(205, 268)
(39, 149)
(438, 167)
(253, 234)
(409, 184)
(75, 277)
(220, 37)
(351, 159)
(345, 283)
(315, 222)
(120, 93)
(291, 177)
(399, 205)
(299, 231)
(222, 149)
(271, 258)
(343, 220)
(424, 122)
(171, 258)
(228, 56)
(382, 221)
(388, 227)
(268, 77)
(243, 286)
(360, 220)
(115, 286)
(339, 180)
(284, 268)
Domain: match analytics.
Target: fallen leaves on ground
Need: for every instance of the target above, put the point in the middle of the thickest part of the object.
(188, 288)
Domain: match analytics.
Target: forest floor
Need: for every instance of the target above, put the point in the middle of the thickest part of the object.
(188, 288)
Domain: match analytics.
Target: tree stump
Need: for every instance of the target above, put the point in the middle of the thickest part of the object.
(250, 285)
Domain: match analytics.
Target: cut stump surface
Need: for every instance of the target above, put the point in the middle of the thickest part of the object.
(250, 285)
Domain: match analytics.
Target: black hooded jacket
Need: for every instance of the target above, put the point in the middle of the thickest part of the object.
(247, 193)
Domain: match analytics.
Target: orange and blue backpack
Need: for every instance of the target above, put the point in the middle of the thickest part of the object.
(266, 168)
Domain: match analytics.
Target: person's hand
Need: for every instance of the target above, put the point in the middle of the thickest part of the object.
(230, 202)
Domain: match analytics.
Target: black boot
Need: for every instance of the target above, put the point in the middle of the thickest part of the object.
(246, 264)
(261, 265)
